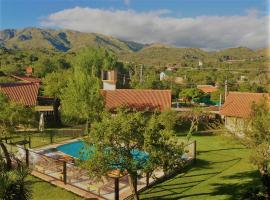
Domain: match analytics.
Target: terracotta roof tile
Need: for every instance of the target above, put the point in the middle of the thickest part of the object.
(138, 99)
(24, 93)
(238, 104)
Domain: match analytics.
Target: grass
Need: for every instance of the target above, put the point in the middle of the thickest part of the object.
(222, 171)
(45, 191)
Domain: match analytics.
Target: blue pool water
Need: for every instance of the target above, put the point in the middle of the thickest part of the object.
(77, 150)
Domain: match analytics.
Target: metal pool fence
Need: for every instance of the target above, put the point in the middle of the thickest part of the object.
(70, 174)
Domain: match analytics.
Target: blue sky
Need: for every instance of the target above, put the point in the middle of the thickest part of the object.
(193, 23)
(27, 13)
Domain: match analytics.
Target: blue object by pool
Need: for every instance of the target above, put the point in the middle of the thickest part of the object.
(77, 150)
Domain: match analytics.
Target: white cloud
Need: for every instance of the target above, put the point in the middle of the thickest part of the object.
(210, 32)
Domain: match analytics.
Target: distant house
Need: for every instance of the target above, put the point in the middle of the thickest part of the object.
(237, 109)
(23, 93)
(138, 99)
(162, 76)
(208, 89)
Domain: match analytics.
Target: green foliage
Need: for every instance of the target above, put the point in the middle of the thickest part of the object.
(194, 94)
(54, 83)
(257, 138)
(13, 184)
(81, 99)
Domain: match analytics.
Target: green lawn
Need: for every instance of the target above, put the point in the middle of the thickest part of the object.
(45, 191)
(222, 171)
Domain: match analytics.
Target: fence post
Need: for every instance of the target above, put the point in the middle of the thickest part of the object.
(116, 188)
(147, 179)
(65, 172)
(27, 157)
(30, 142)
(51, 136)
(195, 151)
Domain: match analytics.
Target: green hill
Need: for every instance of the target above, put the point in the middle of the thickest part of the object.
(62, 40)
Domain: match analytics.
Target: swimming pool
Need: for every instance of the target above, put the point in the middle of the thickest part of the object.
(77, 150)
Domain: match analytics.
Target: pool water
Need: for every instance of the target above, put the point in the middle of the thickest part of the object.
(77, 150)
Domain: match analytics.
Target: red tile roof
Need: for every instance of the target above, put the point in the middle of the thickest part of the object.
(207, 88)
(27, 79)
(238, 104)
(24, 93)
(137, 99)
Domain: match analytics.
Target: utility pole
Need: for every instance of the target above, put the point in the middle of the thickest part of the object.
(141, 74)
(220, 101)
(124, 79)
(226, 89)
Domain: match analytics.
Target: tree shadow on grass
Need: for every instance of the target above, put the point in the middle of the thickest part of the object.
(237, 190)
(181, 183)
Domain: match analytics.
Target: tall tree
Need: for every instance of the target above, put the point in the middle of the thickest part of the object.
(257, 138)
(117, 138)
(81, 99)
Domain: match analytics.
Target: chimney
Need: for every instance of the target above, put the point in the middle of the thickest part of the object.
(109, 79)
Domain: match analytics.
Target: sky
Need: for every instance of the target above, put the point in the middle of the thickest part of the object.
(208, 24)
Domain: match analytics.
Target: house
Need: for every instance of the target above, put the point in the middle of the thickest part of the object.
(139, 99)
(207, 89)
(18, 92)
(237, 108)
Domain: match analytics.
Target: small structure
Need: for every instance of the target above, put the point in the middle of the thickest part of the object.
(109, 79)
(208, 89)
(162, 76)
(200, 63)
(237, 109)
(29, 71)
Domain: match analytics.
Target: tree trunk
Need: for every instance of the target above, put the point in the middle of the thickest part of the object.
(266, 181)
(8, 159)
(56, 104)
(133, 187)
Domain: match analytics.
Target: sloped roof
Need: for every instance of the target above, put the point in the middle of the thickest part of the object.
(238, 104)
(137, 99)
(28, 79)
(207, 88)
(24, 93)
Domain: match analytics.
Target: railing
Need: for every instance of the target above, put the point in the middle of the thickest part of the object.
(69, 173)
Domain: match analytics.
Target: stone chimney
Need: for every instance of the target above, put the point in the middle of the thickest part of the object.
(109, 79)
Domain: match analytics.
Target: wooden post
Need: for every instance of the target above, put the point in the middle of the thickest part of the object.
(116, 188)
(65, 172)
(195, 151)
(135, 183)
(147, 178)
(30, 142)
(27, 157)
(51, 136)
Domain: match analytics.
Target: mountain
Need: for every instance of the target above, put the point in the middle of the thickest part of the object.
(148, 54)
(62, 40)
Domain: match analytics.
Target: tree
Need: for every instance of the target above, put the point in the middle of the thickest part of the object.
(13, 184)
(257, 138)
(164, 149)
(12, 116)
(81, 99)
(117, 138)
(54, 83)
(192, 94)
(114, 139)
